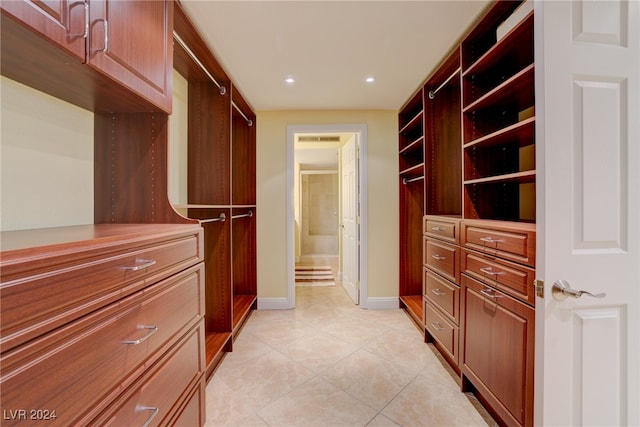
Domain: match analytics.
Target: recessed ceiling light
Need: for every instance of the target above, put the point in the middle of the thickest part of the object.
(290, 80)
(370, 79)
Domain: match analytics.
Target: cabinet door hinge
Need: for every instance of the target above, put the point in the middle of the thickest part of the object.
(539, 284)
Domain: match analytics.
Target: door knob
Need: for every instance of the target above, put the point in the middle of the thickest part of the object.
(561, 290)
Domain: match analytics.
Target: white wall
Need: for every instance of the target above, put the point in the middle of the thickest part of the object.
(382, 196)
(178, 126)
(46, 150)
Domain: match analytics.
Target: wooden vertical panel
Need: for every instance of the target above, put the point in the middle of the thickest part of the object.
(209, 152)
(244, 253)
(130, 169)
(217, 262)
(243, 167)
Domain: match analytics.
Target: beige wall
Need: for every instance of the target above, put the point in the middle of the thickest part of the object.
(46, 150)
(382, 196)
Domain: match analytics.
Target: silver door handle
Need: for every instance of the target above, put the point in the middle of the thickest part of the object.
(561, 290)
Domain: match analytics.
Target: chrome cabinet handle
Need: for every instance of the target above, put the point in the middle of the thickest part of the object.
(562, 289)
(491, 240)
(437, 292)
(145, 263)
(86, 21)
(438, 257)
(437, 326)
(490, 293)
(105, 48)
(154, 409)
(488, 270)
(436, 228)
(152, 330)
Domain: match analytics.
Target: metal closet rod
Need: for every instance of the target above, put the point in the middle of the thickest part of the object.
(407, 181)
(193, 56)
(221, 218)
(248, 214)
(432, 93)
(249, 121)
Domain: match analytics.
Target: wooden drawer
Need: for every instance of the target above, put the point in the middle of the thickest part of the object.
(442, 330)
(53, 293)
(442, 293)
(193, 413)
(512, 241)
(442, 258)
(442, 228)
(78, 368)
(511, 278)
(152, 400)
(498, 350)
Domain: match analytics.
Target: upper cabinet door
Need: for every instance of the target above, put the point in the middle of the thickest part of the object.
(63, 22)
(131, 41)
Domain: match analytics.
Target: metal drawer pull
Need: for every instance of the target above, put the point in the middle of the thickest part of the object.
(561, 290)
(438, 292)
(105, 48)
(437, 326)
(436, 228)
(487, 270)
(438, 257)
(490, 293)
(491, 240)
(155, 410)
(145, 263)
(152, 330)
(86, 22)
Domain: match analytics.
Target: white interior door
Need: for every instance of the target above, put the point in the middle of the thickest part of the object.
(350, 219)
(588, 134)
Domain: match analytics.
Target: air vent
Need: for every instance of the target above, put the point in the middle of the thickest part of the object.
(328, 138)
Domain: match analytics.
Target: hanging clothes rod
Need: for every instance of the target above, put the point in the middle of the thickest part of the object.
(221, 218)
(248, 214)
(432, 93)
(193, 56)
(249, 121)
(406, 181)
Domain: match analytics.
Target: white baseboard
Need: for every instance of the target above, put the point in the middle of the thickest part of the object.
(274, 304)
(382, 303)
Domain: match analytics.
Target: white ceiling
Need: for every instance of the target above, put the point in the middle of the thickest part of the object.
(330, 47)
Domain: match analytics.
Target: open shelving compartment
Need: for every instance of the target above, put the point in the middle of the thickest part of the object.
(221, 188)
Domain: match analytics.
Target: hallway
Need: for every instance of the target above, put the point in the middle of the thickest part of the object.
(330, 363)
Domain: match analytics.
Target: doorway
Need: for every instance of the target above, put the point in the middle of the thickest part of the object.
(320, 206)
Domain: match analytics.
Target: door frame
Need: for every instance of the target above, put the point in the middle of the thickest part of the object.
(292, 130)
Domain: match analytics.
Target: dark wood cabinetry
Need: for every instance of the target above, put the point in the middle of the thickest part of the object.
(221, 189)
(120, 52)
(89, 312)
(467, 163)
(117, 323)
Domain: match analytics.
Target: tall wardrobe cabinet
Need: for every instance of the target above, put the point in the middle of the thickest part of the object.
(467, 210)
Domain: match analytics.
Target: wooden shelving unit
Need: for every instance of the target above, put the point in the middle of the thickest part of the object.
(467, 164)
(221, 188)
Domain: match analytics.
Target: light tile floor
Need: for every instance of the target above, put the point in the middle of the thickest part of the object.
(330, 363)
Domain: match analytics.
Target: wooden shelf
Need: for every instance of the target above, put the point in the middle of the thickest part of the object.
(523, 131)
(216, 344)
(513, 43)
(517, 89)
(523, 177)
(242, 305)
(413, 305)
(415, 145)
(412, 171)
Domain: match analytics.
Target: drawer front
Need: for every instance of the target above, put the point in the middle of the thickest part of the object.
(442, 229)
(442, 258)
(38, 304)
(443, 294)
(442, 330)
(512, 244)
(81, 366)
(162, 387)
(499, 348)
(194, 413)
(513, 279)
